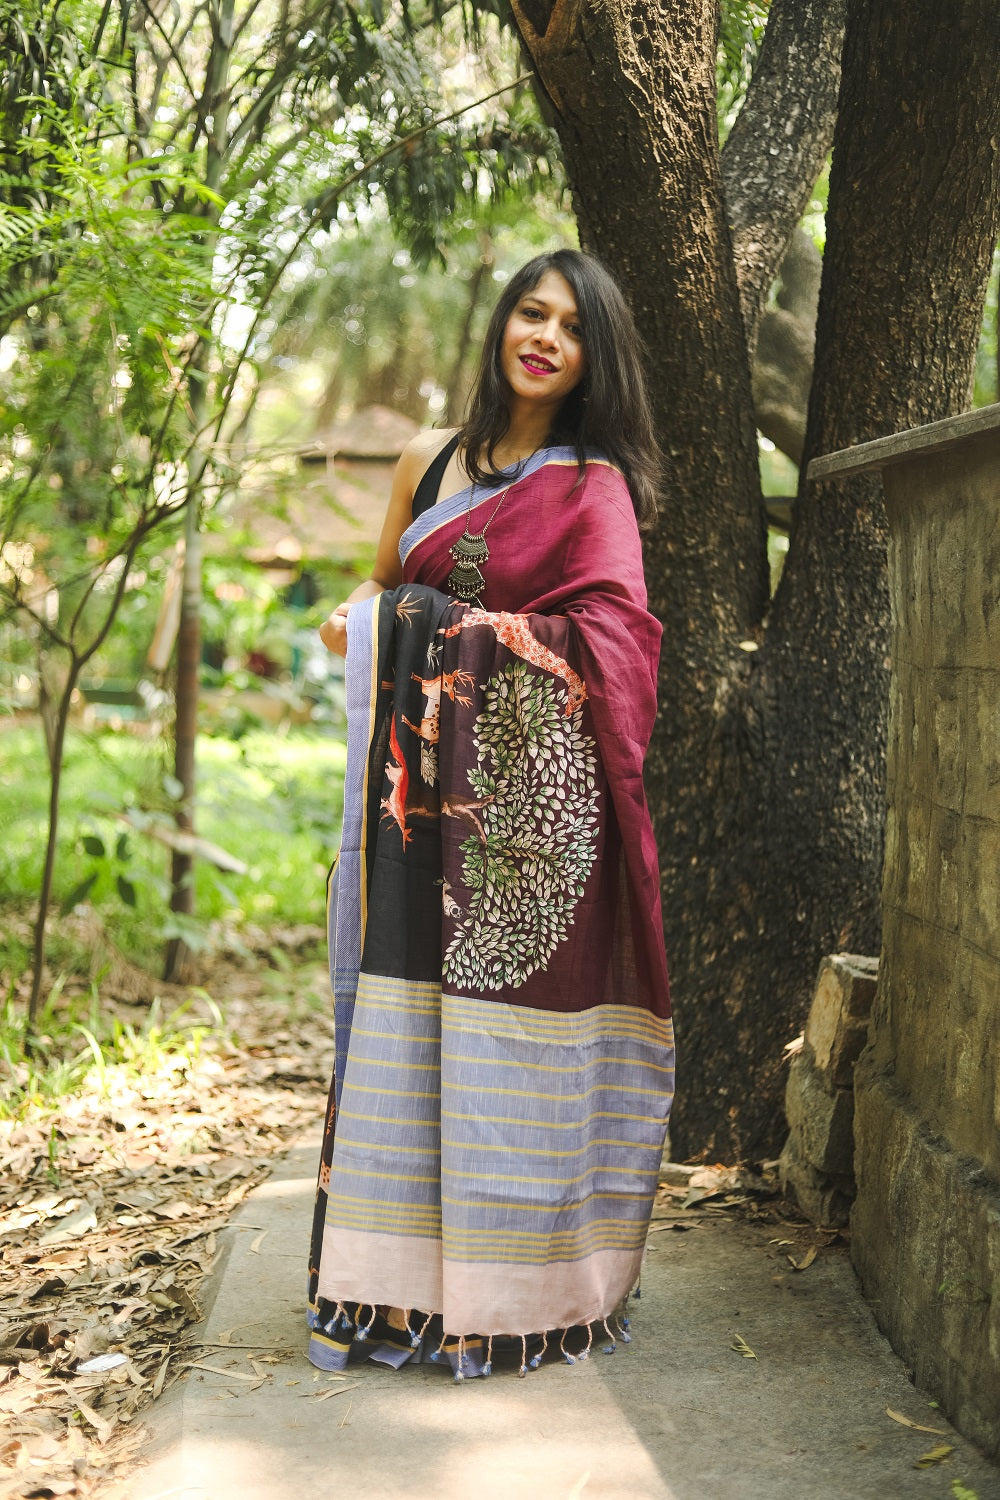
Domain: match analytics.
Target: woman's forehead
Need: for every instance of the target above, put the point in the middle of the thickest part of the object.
(554, 291)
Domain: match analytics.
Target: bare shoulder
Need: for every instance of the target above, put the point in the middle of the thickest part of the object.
(426, 445)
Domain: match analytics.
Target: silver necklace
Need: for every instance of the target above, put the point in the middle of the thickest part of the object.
(470, 553)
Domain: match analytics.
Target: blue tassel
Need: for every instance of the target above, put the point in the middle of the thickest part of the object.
(488, 1368)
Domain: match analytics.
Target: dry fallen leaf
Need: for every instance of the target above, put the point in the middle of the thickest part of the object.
(196, 1364)
(101, 1425)
(897, 1416)
(935, 1456)
(74, 1225)
(805, 1261)
(740, 1346)
(257, 1241)
(111, 1255)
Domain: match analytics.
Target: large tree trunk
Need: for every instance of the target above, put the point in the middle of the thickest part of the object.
(765, 773)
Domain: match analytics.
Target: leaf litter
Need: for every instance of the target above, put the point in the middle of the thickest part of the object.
(110, 1208)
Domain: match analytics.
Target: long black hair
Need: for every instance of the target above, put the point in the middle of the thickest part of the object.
(608, 410)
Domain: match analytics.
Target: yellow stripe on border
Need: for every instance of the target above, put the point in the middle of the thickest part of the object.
(561, 1182)
(354, 1114)
(549, 1208)
(344, 1140)
(396, 1036)
(635, 1227)
(388, 1062)
(509, 1150)
(378, 1088)
(497, 1018)
(597, 1088)
(579, 1124)
(515, 1062)
(617, 1238)
(385, 1207)
(379, 1176)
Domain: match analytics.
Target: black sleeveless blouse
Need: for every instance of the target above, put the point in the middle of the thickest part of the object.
(426, 493)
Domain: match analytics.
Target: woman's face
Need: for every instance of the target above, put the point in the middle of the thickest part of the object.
(542, 352)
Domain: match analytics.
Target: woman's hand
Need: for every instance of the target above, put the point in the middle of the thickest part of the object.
(333, 631)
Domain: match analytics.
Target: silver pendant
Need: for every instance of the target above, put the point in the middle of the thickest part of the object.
(465, 580)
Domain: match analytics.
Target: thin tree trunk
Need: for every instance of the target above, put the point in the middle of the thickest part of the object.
(177, 958)
(456, 382)
(216, 102)
(56, 746)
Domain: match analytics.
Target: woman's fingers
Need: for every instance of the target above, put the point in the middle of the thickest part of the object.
(333, 631)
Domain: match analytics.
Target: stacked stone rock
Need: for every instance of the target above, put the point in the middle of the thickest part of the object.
(817, 1164)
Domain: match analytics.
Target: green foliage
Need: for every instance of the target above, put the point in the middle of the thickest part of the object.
(741, 30)
(988, 355)
(275, 803)
(369, 325)
(76, 1049)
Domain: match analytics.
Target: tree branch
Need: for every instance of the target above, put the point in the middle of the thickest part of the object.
(776, 149)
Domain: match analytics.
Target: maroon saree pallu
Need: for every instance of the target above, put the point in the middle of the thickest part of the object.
(504, 1052)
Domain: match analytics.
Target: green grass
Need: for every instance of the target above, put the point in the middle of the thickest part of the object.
(75, 1048)
(273, 802)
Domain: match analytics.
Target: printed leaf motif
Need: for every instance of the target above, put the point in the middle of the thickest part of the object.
(539, 832)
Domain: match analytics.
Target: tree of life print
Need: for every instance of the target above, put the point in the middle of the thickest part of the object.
(526, 867)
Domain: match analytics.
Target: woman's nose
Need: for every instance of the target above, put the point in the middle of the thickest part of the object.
(547, 332)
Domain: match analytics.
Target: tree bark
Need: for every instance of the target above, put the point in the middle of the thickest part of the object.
(177, 956)
(765, 772)
(214, 111)
(783, 358)
(56, 742)
(780, 140)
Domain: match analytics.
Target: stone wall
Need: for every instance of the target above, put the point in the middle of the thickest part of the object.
(926, 1223)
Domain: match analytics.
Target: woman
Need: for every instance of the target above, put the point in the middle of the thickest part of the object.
(504, 1056)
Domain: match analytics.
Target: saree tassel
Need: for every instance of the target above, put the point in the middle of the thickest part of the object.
(459, 1372)
(488, 1366)
(416, 1339)
(362, 1334)
(439, 1354)
(536, 1359)
(623, 1328)
(524, 1358)
(609, 1348)
(585, 1353)
(569, 1358)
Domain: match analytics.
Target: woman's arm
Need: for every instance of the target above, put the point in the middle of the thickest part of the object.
(387, 573)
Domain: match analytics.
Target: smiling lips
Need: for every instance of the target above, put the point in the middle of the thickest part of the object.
(537, 365)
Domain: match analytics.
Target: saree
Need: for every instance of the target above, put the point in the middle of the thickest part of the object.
(503, 1045)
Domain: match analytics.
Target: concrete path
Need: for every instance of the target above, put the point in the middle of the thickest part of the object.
(676, 1415)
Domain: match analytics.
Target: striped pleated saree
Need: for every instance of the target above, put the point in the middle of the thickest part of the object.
(504, 1053)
